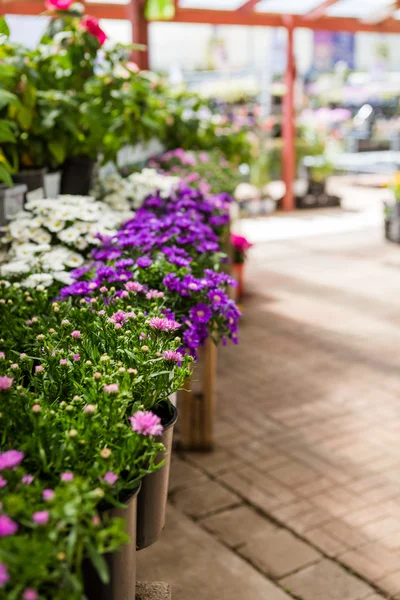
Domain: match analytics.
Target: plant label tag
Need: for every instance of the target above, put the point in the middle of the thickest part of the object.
(12, 205)
(37, 194)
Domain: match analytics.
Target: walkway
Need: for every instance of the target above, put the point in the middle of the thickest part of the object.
(302, 495)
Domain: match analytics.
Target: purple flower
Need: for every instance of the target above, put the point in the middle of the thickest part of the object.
(110, 478)
(10, 459)
(164, 324)
(172, 282)
(4, 576)
(48, 494)
(124, 262)
(118, 317)
(30, 594)
(143, 262)
(7, 526)
(218, 298)
(67, 476)
(173, 355)
(27, 479)
(3, 482)
(41, 517)
(146, 423)
(200, 313)
(77, 357)
(191, 338)
(5, 383)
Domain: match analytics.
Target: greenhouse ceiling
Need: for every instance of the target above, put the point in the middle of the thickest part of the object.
(341, 15)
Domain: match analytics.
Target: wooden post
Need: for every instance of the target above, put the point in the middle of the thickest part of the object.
(289, 133)
(140, 33)
(197, 403)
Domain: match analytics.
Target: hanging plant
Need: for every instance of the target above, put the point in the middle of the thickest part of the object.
(159, 10)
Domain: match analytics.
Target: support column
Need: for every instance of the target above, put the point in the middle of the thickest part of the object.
(289, 129)
(140, 33)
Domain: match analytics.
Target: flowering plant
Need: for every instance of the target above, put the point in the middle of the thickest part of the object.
(205, 171)
(45, 531)
(240, 247)
(170, 248)
(47, 243)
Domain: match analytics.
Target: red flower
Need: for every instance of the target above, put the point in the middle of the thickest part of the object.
(58, 4)
(91, 24)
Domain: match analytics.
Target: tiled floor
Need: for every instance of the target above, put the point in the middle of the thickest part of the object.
(304, 485)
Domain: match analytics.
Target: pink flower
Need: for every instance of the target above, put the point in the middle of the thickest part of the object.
(91, 24)
(63, 361)
(110, 478)
(118, 317)
(2, 355)
(48, 495)
(36, 408)
(5, 383)
(30, 594)
(7, 526)
(58, 4)
(3, 482)
(77, 357)
(97, 375)
(154, 294)
(67, 476)
(4, 576)
(27, 479)
(164, 324)
(103, 289)
(10, 459)
(112, 388)
(132, 67)
(41, 517)
(173, 355)
(134, 286)
(146, 423)
(39, 368)
(76, 334)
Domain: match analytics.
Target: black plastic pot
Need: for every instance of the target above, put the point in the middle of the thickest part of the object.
(11, 202)
(76, 175)
(32, 178)
(121, 564)
(152, 499)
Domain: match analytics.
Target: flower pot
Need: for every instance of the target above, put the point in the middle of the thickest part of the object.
(121, 564)
(34, 181)
(238, 274)
(152, 499)
(11, 202)
(52, 182)
(76, 176)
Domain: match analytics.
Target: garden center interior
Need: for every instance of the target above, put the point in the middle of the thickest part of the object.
(199, 369)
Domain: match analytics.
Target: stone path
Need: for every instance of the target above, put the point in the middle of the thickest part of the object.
(303, 489)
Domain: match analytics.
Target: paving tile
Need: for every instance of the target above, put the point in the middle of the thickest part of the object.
(237, 526)
(214, 462)
(326, 581)
(197, 566)
(183, 475)
(204, 498)
(279, 553)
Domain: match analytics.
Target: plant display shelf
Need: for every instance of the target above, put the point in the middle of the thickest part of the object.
(197, 403)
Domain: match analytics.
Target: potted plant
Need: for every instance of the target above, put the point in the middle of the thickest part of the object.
(240, 247)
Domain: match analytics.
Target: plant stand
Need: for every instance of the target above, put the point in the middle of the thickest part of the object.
(153, 591)
(197, 403)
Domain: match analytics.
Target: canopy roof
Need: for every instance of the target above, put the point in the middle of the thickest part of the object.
(339, 15)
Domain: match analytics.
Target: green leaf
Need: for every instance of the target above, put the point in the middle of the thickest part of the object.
(98, 562)
(4, 29)
(24, 117)
(7, 98)
(57, 149)
(5, 176)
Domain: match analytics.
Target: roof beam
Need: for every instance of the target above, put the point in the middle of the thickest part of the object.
(320, 10)
(247, 6)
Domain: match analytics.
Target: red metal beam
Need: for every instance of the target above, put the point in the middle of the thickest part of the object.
(140, 33)
(247, 6)
(320, 10)
(288, 127)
